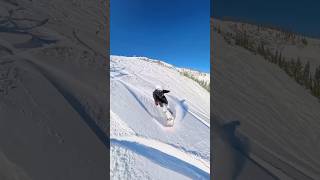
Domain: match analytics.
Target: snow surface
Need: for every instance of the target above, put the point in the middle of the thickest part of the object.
(53, 109)
(142, 147)
(278, 119)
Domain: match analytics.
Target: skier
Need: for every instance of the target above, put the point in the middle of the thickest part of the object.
(160, 98)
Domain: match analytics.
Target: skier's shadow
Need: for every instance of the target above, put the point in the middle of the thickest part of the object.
(239, 143)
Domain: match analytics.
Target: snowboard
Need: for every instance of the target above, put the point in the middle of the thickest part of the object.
(169, 118)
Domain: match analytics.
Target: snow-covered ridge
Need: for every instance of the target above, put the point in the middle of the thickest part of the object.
(200, 77)
(291, 45)
(256, 32)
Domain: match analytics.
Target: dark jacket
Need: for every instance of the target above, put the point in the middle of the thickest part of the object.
(159, 98)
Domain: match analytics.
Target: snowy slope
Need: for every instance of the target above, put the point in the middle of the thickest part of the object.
(275, 39)
(53, 102)
(200, 76)
(142, 147)
(278, 120)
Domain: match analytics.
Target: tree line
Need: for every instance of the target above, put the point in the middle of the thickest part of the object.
(295, 68)
(202, 83)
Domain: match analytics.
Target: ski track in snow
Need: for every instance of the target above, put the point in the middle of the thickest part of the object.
(166, 155)
(200, 119)
(161, 153)
(167, 152)
(179, 109)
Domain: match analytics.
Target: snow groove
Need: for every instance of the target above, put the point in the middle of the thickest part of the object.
(166, 155)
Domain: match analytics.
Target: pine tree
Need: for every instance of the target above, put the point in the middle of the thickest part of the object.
(316, 83)
(298, 71)
(237, 39)
(279, 58)
(219, 30)
(291, 68)
(306, 75)
(282, 63)
(268, 54)
(275, 57)
(261, 49)
(304, 41)
(317, 74)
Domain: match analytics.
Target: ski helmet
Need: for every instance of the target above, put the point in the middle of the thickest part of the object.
(158, 87)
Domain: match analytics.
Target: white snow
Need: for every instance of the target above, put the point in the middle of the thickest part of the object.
(142, 147)
(201, 76)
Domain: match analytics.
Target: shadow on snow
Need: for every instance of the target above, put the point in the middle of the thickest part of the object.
(164, 159)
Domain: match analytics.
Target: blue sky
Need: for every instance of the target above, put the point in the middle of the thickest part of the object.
(297, 15)
(176, 31)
